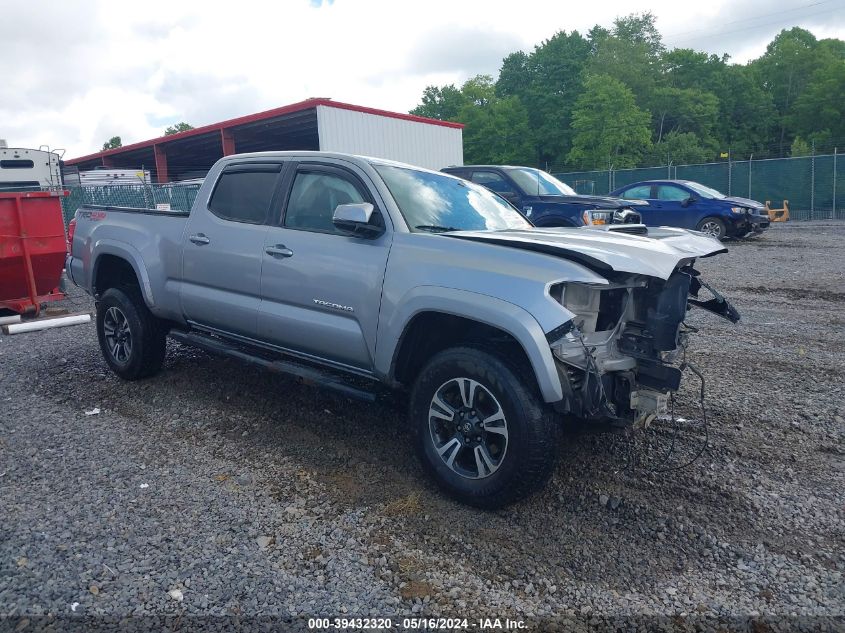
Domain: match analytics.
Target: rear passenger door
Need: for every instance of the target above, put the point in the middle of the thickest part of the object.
(224, 249)
(320, 288)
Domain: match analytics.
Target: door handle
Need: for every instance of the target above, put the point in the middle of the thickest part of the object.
(200, 239)
(279, 250)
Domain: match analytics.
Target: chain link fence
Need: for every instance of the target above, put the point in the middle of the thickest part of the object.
(170, 197)
(809, 183)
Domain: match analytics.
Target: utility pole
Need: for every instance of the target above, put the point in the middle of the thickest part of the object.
(749, 174)
(833, 210)
(813, 181)
(729, 171)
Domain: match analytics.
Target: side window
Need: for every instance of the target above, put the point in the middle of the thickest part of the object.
(493, 181)
(643, 192)
(243, 194)
(672, 193)
(314, 197)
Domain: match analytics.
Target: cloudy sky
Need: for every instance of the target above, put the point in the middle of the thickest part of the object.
(76, 73)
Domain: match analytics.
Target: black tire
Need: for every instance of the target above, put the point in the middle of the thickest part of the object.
(528, 457)
(712, 226)
(141, 353)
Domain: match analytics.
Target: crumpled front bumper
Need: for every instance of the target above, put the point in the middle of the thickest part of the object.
(752, 223)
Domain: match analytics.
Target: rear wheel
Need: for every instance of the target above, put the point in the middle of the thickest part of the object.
(131, 338)
(482, 432)
(713, 227)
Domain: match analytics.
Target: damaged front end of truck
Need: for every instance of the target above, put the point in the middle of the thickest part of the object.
(623, 353)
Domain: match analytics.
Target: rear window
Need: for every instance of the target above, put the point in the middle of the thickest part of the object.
(17, 163)
(244, 193)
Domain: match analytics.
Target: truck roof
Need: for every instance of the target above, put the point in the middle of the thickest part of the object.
(353, 158)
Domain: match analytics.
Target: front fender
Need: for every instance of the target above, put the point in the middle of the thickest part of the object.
(497, 313)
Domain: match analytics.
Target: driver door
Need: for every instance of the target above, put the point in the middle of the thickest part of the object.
(670, 208)
(321, 288)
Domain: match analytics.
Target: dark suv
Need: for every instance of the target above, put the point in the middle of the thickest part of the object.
(544, 199)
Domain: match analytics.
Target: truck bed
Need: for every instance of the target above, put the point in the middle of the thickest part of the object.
(144, 210)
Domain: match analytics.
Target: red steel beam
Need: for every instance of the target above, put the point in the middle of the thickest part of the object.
(228, 141)
(161, 164)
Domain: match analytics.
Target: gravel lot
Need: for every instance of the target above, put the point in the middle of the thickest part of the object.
(215, 489)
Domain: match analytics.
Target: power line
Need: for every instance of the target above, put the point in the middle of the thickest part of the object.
(755, 26)
(752, 18)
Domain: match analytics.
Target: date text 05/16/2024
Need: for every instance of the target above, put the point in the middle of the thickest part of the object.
(409, 624)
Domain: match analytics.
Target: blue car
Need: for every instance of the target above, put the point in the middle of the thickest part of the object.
(691, 205)
(544, 199)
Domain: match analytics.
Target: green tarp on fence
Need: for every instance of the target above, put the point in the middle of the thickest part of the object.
(814, 190)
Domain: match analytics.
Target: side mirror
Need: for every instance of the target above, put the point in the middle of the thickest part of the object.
(359, 218)
(688, 201)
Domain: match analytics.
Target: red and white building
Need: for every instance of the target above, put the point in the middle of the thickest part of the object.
(313, 124)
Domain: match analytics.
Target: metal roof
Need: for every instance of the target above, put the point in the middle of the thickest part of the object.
(286, 119)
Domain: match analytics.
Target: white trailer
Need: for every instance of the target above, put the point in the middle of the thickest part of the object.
(23, 169)
(107, 176)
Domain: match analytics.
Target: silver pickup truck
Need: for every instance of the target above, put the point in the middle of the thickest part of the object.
(364, 275)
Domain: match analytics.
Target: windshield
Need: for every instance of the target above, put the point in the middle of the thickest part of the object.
(534, 182)
(437, 203)
(704, 191)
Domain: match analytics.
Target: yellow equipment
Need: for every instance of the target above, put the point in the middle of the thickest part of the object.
(778, 215)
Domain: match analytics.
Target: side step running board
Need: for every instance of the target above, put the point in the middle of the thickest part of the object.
(306, 373)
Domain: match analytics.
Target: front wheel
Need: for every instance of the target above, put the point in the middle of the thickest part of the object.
(131, 338)
(482, 432)
(713, 227)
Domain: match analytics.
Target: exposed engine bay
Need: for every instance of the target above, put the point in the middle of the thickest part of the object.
(624, 352)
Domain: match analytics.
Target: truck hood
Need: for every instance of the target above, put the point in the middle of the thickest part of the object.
(658, 254)
(598, 202)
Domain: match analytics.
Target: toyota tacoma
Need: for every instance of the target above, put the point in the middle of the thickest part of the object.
(367, 276)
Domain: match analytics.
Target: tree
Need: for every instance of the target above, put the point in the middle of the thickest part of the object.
(698, 103)
(684, 110)
(784, 71)
(686, 68)
(547, 82)
(113, 143)
(178, 127)
(630, 52)
(800, 147)
(640, 28)
(497, 129)
(679, 148)
(747, 120)
(440, 103)
(609, 128)
(819, 111)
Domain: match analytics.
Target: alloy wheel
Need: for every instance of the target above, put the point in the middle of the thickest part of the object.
(117, 334)
(712, 228)
(468, 428)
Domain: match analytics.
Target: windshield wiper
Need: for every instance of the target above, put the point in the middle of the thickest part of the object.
(434, 228)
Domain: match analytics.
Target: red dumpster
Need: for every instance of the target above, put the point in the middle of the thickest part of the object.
(32, 249)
